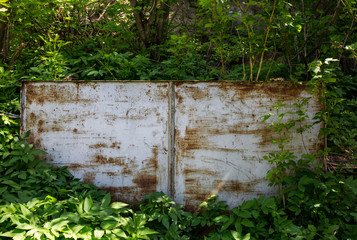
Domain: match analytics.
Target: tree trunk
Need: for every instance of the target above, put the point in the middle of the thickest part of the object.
(4, 40)
(152, 24)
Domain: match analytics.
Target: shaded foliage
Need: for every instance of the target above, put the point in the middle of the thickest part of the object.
(180, 40)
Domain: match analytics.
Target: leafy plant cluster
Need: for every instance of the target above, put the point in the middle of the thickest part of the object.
(38, 202)
(252, 40)
(185, 40)
(181, 40)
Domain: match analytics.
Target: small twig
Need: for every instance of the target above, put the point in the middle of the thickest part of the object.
(103, 13)
(176, 11)
(346, 38)
(265, 41)
(271, 64)
(325, 163)
(9, 115)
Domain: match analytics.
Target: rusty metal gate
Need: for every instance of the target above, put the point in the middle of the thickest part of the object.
(187, 139)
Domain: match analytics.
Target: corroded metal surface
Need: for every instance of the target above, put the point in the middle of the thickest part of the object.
(112, 134)
(220, 139)
(187, 139)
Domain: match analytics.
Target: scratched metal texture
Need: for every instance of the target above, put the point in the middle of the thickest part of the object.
(111, 134)
(220, 139)
(187, 139)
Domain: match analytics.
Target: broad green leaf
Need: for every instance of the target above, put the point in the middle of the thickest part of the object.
(235, 235)
(221, 219)
(25, 226)
(22, 175)
(109, 224)
(245, 214)
(14, 233)
(118, 205)
(98, 233)
(3, 189)
(196, 221)
(165, 222)
(26, 212)
(238, 236)
(246, 222)
(88, 203)
(146, 231)
(228, 223)
(246, 237)
(59, 223)
(106, 200)
(248, 204)
(119, 233)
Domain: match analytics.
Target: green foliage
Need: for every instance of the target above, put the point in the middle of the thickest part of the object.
(51, 65)
(337, 92)
(102, 40)
(225, 40)
(314, 200)
(283, 161)
(9, 105)
(38, 202)
(165, 217)
(318, 201)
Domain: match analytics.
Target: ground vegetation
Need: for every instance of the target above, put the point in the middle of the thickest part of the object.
(307, 41)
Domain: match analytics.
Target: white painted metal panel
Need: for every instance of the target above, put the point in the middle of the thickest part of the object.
(187, 139)
(220, 139)
(112, 134)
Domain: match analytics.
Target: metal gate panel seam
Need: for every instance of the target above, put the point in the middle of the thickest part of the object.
(185, 152)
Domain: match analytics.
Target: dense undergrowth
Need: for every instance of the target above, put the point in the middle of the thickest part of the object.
(296, 41)
(39, 202)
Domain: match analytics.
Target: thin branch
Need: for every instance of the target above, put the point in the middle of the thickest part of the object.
(251, 63)
(265, 41)
(17, 54)
(9, 115)
(346, 38)
(138, 21)
(104, 11)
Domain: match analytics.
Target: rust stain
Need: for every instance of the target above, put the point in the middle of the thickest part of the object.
(75, 166)
(285, 91)
(246, 87)
(112, 174)
(192, 91)
(115, 145)
(233, 186)
(197, 138)
(59, 93)
(100, 159)
(194, 139)
(98, 145)
(32, 117)
(161, 93)
(123, 194)
(146, 180)
(195, 193)
(127, 171)
(179, 99)
(200, 172)
(89, 177)
(36, 141)
(57, 129)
